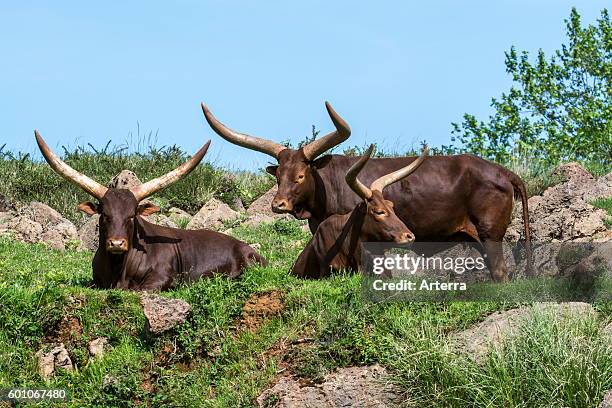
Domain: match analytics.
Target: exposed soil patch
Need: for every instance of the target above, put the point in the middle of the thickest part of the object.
(68, 330)
(259, 307)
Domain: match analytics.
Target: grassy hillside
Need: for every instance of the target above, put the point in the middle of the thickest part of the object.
(224, 358)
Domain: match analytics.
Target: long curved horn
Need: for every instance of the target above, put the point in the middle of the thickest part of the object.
(92, 187)
(152, 186)
(250, 142)
(397, 175)
(342, 132)
(351, 175)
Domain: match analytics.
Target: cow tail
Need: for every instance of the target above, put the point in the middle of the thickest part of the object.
(521, 191)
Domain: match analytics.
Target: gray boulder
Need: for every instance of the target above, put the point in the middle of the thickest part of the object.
(50, 361)
(97, 347)
(563, 212)
(492, 332)
(212, 216)
(163, 314)
(125, 179)
(366, 387)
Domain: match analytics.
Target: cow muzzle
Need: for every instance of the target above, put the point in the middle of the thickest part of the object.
(405, 238)
(117, 245)
(281, 206)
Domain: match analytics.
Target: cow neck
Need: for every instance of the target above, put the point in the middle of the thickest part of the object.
(349, 238)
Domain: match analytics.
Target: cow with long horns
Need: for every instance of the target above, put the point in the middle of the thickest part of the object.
(136, 254)
(337, 243)
(451, 198)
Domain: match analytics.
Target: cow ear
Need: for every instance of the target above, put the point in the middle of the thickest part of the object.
(88, 207)
(322, 161)
(147, 209)
(272, 170)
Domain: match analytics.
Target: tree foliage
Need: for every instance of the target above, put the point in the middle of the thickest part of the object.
(558, 108)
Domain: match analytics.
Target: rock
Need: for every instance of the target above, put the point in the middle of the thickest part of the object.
(346, 387)
(57, 358)
(5, 204)
(573, 172)
(607, 400)
(237, 205)
(163, 313)
(89, 234)
(96, 347)
(602, 188)
(179, 216)
(212, 216)
(46, 364)
(37, 222)
(125, 179)
(491, 333)
(257, 219)
(25, 229)
(563, 213)
(42, 214)
(161, 219)
(263, 205)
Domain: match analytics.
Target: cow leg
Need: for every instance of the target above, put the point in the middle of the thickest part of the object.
(491, 217)
(157, 280)
(495, 261)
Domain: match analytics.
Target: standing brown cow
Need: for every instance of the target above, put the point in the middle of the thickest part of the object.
(337, 242)
(452, 198)
(136, 254)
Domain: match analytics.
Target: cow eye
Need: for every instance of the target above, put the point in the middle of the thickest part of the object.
(300, 178)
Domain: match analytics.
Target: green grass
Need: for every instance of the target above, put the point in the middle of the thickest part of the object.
(605, 204)
(213, 361)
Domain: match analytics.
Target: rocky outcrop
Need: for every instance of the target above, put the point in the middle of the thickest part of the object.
(51, 358)
(260, 211)
(491, 333)
(346, 387)
(37, 222)
(125, 179)
(563, 212)
(213, 215)
(162, 313)
(97, 347)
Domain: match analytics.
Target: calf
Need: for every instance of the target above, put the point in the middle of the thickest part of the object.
(336, 244)
(136, 254)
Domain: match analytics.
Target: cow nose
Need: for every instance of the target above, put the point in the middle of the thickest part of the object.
(281, 205)
(116, 245)
(406, 237)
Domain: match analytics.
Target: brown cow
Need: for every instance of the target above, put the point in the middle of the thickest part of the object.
(337, 242)
(136, 254)
(452, 198)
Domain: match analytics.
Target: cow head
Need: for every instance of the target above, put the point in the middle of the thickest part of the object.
(295, 172)
(381, 224)
(117, 207)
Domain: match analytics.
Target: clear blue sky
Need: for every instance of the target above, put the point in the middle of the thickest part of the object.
(398, 72)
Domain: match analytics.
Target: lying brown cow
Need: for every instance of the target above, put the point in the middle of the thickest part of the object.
(136, 254)
(337, 242)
